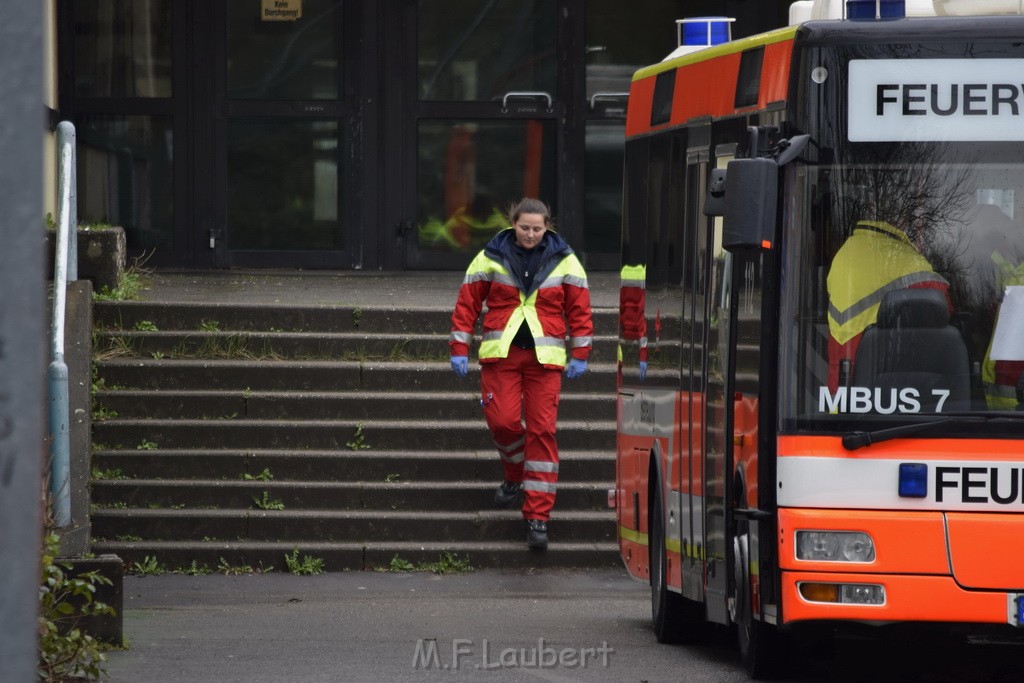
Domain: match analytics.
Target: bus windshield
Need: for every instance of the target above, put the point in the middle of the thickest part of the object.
(903, 286)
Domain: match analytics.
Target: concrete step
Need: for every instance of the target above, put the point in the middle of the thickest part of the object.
(233, 556)
(456, 434)
(239, 375)
(257, 344)
(131, 315)
(312, 526)
(322, 405)
(331, 465)
(201, 496)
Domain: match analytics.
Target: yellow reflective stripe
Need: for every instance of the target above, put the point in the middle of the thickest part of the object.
(729, 48)
(632, 535)
(629, 273)
(674, 545)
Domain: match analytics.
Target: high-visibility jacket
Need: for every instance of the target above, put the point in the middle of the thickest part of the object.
(557, 303)
(999, 377)
(877, 259)
(632, 320)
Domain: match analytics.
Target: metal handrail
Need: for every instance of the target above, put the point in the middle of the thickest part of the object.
(65, 269)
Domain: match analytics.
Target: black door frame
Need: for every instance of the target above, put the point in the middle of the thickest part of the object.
(72, 107)
(352, 111)
(402, 111)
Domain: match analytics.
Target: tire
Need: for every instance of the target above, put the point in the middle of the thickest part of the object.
(675, 618)
(762, 647)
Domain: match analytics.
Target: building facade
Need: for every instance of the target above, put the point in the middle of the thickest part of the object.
(356, 134)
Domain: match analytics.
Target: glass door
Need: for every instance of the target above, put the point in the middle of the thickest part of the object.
(284, 134)
(483, 125)
(621, 37)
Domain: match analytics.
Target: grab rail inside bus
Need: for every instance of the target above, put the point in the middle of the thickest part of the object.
(65, 269)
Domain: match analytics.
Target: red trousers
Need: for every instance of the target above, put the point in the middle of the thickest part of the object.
(517, 389)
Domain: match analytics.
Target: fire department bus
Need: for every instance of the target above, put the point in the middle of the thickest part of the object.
(768, 476)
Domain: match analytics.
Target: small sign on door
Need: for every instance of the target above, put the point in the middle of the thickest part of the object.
(281, 10)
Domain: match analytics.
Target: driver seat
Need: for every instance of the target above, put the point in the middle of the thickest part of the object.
(912, 345)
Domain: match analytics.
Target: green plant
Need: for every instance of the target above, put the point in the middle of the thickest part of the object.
(146, 445)
(195, 570)
(448, 563)
(148, 567)
(209, 326)
(228, 569)
(392, 478)
(65, 652)
(48, 222)
(308, 566)
(145, 326)
(100, 413)
(127, 538)
(266, 503)
(400, 565)
(97, 473)
(265, 475)
(357, 315)
(358, 441)
(157, 355)
(129, 286)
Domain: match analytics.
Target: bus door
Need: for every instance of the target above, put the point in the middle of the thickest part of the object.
(691, 407)
(718, 315)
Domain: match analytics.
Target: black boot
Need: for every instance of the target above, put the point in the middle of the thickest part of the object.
(537, 534)
(509, 494)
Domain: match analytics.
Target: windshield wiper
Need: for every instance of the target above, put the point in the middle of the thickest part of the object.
(854, 440)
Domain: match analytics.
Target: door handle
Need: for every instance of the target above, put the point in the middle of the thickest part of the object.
(607, 96)
(525, 94)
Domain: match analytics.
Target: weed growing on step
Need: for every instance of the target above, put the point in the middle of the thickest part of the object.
(148, 567)
(358, 442)
(209, 326)
(392, 478)
(357, 315)
(195, 570)
(228, 569)
(100, 413)
(265, 475)
(145, 326)
(400, 565)
(130, 284)
(447, 563)
(117, 347)
(127, 538)
(157, 355)
(109, 473)
(307, 567)
(146, 445)
(266, 503)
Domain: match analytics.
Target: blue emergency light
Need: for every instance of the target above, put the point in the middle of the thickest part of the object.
(913, 480)
(869, 10)
(704, 31)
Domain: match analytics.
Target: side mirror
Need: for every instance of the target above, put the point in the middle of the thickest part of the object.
(752, 187)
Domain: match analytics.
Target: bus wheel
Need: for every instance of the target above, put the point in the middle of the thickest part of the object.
(676, 619)
(760, 644)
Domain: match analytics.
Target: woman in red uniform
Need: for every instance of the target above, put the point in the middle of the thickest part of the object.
(536, 294)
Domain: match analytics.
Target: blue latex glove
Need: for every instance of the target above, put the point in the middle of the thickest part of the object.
(576, 368)
(643, 370)
(460, 364)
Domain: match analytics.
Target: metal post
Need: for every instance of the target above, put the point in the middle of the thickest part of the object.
(57, 374)
(66, 138)
(22, 328)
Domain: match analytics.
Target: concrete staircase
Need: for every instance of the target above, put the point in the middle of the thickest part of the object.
(231, 434)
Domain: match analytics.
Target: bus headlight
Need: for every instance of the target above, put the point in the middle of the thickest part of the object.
(834, 546)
